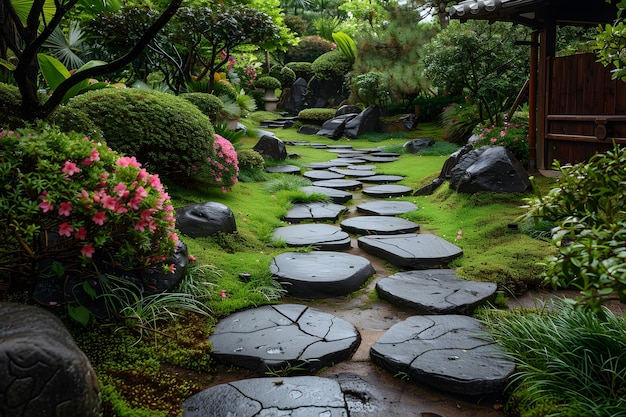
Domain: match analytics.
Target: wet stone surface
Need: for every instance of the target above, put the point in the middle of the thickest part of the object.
(314, 212)
(322, 174)
(282, 336)
(354, 173)
(284, 169)
(378, 225)
(386, 208)
(319, 236)
(435, 291)
(340, 184)
(382, 179)
(320, 274)
(336, 196)
(387, 190)
(450, 352)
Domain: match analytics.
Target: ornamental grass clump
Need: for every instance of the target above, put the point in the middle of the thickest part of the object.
(70, 206)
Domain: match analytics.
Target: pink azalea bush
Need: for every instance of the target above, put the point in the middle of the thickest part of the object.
(223, 165)
(67, 199)
(511, 136)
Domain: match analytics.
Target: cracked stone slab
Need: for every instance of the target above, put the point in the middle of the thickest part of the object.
(435, 291)
(300, 396)
(339, 184)
(336, 196)
(281, 336)
(319, 236)
(320, 274)
(382, 179)
(322, 174)
(388, 190)
(315, 212)
(378, 225)
(284, 169)
(386, 208)
(355, 173)
(450, 352)
(411, 251)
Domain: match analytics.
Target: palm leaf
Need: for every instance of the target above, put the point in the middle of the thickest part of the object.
(65, 48)
(22, 9)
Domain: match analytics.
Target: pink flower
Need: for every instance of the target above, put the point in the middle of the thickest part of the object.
(142, 175)
(46, 206)
(99, 218)
(109, 202)
(88, 250)
(65, 229)
(174, 237)
(502, 134)
(494, 140)
(224, 294)
(141, 225)
(172, 268)
(125, 161)
(81, 234)
(70, 168)
(65, 209)
(95, 155)
(145, 214)
(192, 258)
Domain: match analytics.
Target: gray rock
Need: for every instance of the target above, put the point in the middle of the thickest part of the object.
(435, 291)
(321, 165)
(379, 158)
(297, 99)
(366, 121)
(43, 373)
(354, 173)
(388, 190)
(280, 336)
(489, 168)
(450, 352)
(382, 179)
(346, 161)
(386, 208)
(416, 145)
(314, 212)
(308, 130)
(205, 219)
(348, 109)
(409, 121)
(453, 159)
(334, 127)
(322, 174)
(284, 169)
(430, 188)
(411, 251)
(378, 225)
(269, 146)
(339, 184)
(320, 274)
(336, 196)
(319, 236)
(300, 396)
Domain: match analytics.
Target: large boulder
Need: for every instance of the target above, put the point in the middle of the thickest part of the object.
(489, 168)
(366, 121)
(334, 128)
(454, 159)
(205, 219)
(416, 145)
(42, 371)
(297, 98)
(348, 109)
(269, 146)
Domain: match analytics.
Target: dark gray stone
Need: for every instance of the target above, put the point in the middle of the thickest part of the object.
(411, 251)
(344, 162)
(321, 212)
(299, 396)
(430, 188)
(319, 236)
(269, 146)
(366, 121)
(416, 145)
(388, 190)
(409, 121)
(297, 99)
(334, 127)
(378, 225)
(381, 154)
(279, 336)
(205, 219)
(284, 169)
(340, 148)
(355, 173)
(348, 109)
(320, 274)
(453, 159)
(489, 168)
(435, 291)
(450, 352)
(379, 159)
(336, 196)
(386, 208)
(339, 184)
(322, 174)
(43, 373)
(308, 130)
(382, 179)
(362, 167)
(320, 165)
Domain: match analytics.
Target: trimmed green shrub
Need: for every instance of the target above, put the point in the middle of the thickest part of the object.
(225, 88)
(331, 64)
(301, 69)
(249, 158)
(285, 75)
(267, 82)
(431, 107)
(458, 121)
(167, 134)
(10, 102)
(208, 104)
(69, 119)
(309, 49)
(316, 115)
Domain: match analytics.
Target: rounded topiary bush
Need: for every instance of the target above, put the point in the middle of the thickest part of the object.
(223, 88)
(10, 102)
(208, 104)
(71, 119)
(267, 82)
(301, 69)
(308, 49)
(167, 134)
(331, 64)
(285, 75)
(316, 115)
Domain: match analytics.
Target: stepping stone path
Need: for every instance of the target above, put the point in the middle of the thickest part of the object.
(285, 335)
(322, 174)
(320, 274)
(318, 236)
(444, 349)
(284, 169)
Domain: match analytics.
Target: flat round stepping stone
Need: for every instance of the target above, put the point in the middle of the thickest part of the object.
(336, 196)
(290, 396)
(378, 225)
(344, 162)
(320, 274)
(280, 336)
(362, 167)
(319, 236)
(386, 154)
(322, 174)
(339, 184)
(435, 291)
(355, 173)
(382, 159)
(284, 169)
(320, 165)
(450, 352)
(382, 179)
(341, 148)
(386, 208)
(387, 190)
(411, 251)
(314, 212)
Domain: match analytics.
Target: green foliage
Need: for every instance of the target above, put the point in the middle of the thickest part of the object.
(208, 104)
(285, 183)
(296, 23)
(326, 26)
(330, 65)
(10, 102)
(267, 82)
(369, 88)
(432, 107)
(250, 158)
(346, 45)
(458, 121)
(223, 88)
(512, 137)
(308, 49)
(285, 75)
(316, 115)
(166, 133)
(568, 363)
(610, 44)
(301, 69)
(74, 120)
(589, 209)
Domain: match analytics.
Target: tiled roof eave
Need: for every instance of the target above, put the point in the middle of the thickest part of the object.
(482, 8)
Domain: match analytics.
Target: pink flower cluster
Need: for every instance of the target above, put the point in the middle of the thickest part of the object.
(224, 166)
